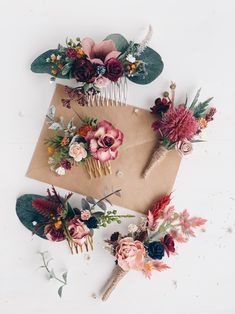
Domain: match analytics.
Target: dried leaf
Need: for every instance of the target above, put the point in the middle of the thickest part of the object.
(160, 266)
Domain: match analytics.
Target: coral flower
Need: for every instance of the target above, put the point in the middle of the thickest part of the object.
(99, 53)
(177, 124)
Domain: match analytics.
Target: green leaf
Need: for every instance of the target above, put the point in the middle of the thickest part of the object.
(85, 204)
(102, 205)
(60, 291)
(40, 65)
(153, 64)
(195, 100)
(90, 200)
(28, 214)
(64, 275)
(67, 67)
(200, 109)
(120, 42)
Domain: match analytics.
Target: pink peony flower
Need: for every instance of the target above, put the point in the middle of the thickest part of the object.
(78, 231)
(130, 254)
(99, 53)
(104, 142)
(184, 148)
(77, 151)
(85, 214)
(177, 124)
(53, 233)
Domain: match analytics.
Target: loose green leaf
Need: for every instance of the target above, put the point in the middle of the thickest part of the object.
(120, 42)
(102, 205)
(60, 291)
(153, 64)
(200, 109)
(85, 204)
(64, 275)
(90, 200)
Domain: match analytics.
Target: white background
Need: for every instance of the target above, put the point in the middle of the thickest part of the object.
(196, 42)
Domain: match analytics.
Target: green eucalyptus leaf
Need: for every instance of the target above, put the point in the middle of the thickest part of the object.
(102, 205)
(120, 42)
(60, 291)
(90, 200)
(64, 275)
(85, 204)
(28, 214)
(153, 64)
(40, 65)
(67, 67)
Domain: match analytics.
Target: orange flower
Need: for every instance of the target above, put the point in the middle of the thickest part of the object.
(50, 150)
(79, 51)
(148, 267)
(60, 66)
(202, 123)
(84, 130)
(53, 72)
(64, 141)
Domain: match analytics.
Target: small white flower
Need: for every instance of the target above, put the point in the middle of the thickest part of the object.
(132, 228)
(58, 57)
(50, 160)
(48, 59)
(131, 58)
(60, 171)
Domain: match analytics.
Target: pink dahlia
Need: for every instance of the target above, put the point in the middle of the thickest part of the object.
(177, 124)
(105, 141)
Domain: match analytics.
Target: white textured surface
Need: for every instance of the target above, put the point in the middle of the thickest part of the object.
(196, 41)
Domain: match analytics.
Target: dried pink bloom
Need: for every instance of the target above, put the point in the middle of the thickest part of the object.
(78, 231)
(187, 223)
(177, 124)
(130, 254)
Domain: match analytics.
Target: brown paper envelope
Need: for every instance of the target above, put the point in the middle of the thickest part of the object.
(139, 142)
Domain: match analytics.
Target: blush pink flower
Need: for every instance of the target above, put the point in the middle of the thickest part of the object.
(78, 231)
(177, 124)
(105, 141)
(77, 151)
(99, 53)
(187, 223)
(101, 81)
(85, 214)
(130, 254)
(184, 148)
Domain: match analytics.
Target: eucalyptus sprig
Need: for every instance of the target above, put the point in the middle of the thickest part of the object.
(52, 274)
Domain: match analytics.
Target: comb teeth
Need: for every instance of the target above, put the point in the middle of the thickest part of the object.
(115, 94)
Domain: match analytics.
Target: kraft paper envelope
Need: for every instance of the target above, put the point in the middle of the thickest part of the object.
(139, 142)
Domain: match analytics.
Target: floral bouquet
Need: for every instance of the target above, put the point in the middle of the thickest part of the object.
(92, 144)
(146, 244)
(103, 66)
(51, 217)
(179, 126)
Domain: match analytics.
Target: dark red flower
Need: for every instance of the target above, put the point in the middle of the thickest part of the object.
(160, 106)
(114, 69)
(84, 71)
(210, 114)
(160, 206)
(71, 53)
(169, 244)
(66, 164)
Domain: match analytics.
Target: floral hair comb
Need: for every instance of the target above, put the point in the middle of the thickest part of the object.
(146, 244)
(179, 126)
(92, 144)
(51, 217)
(101, 70)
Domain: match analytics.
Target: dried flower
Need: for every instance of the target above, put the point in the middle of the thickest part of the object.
(66, 164)
(210, 114)
(114, 69)
(160, 106)
(60, 171)
(84, 71)
(184, 148)
(77, 151)
(156, 250)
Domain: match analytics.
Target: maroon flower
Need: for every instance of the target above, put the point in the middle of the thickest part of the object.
(54, 232)
(66, 164)
(84, 71)
(210, 114)
(114, 69)
(71, 53)
(169, 244)
(160, 106)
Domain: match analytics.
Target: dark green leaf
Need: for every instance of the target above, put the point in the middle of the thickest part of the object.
(60, 291)
(90, 200)
(153, 64)
(65, 276)
(120, 42)
(200, 109)
(67, 67)
(40, 65)
(98, 214)
(195, 100)
(85, 204)
(102, 205)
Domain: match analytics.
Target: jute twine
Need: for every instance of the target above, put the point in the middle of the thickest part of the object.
(158, 155)
(118, 274)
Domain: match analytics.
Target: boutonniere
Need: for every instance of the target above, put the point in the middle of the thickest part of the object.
(101, 69)
(146, 245)
(91, 143)
(179, 126)
(53, 218)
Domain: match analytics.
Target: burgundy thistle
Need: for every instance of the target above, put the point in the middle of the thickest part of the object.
(114, 69)
(84, 71)
(178, 124)
(160, 106)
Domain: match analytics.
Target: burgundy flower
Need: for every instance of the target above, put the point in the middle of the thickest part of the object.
(71, 53)
(210, 114)
(169, 244)
(54, 232)
(84, 71)
(160, 106)
(66, 164)
(114, 69)
(177, 124)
